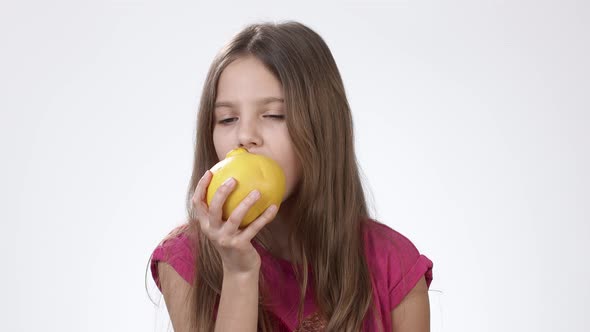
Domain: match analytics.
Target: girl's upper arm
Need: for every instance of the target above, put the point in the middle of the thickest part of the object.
(413, 313)
(176, 291)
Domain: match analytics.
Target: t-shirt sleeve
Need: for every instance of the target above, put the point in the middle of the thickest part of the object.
(406, 267)
(396, 262)
(176, 250)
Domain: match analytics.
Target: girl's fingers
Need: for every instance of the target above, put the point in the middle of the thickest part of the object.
(248, 233)
(238, 214)
(210, 216)
(216, 206)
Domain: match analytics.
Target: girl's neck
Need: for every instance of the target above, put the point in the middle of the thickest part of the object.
(278, 231)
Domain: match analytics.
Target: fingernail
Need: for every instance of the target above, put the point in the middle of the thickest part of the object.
(255, 194)
(228, 182)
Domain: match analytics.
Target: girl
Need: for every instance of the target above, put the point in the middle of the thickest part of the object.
(319, 263)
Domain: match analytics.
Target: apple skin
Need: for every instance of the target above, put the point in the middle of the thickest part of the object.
(251, 171)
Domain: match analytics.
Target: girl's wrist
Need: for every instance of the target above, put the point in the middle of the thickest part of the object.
(241, 276)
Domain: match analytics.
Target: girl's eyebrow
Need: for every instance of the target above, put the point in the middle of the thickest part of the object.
(261, 101)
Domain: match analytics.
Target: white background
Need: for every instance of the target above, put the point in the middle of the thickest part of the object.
(471, 125)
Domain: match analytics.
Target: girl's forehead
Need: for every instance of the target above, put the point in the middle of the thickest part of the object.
(249, 77)
(254, 95)
(256, 101)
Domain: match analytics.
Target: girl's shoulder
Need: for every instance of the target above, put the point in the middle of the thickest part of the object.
(177, 250)
(380, 237)
(394, 262)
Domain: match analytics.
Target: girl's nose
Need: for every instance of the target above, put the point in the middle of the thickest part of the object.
(248, 136)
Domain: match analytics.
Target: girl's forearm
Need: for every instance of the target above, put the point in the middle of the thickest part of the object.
(238, 304)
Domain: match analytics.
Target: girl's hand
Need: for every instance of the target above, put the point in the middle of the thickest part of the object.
(233, 244)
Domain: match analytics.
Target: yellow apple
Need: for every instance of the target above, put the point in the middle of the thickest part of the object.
(251, 171)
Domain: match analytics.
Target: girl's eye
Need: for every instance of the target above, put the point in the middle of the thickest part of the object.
(226, 121)
(275, 116)
(272, 116)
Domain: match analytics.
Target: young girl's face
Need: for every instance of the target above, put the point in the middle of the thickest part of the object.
(250, 112)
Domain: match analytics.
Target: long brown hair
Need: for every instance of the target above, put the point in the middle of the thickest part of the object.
(330, 200)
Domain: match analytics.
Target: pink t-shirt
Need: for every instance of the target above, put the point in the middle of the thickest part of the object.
(394, 263)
